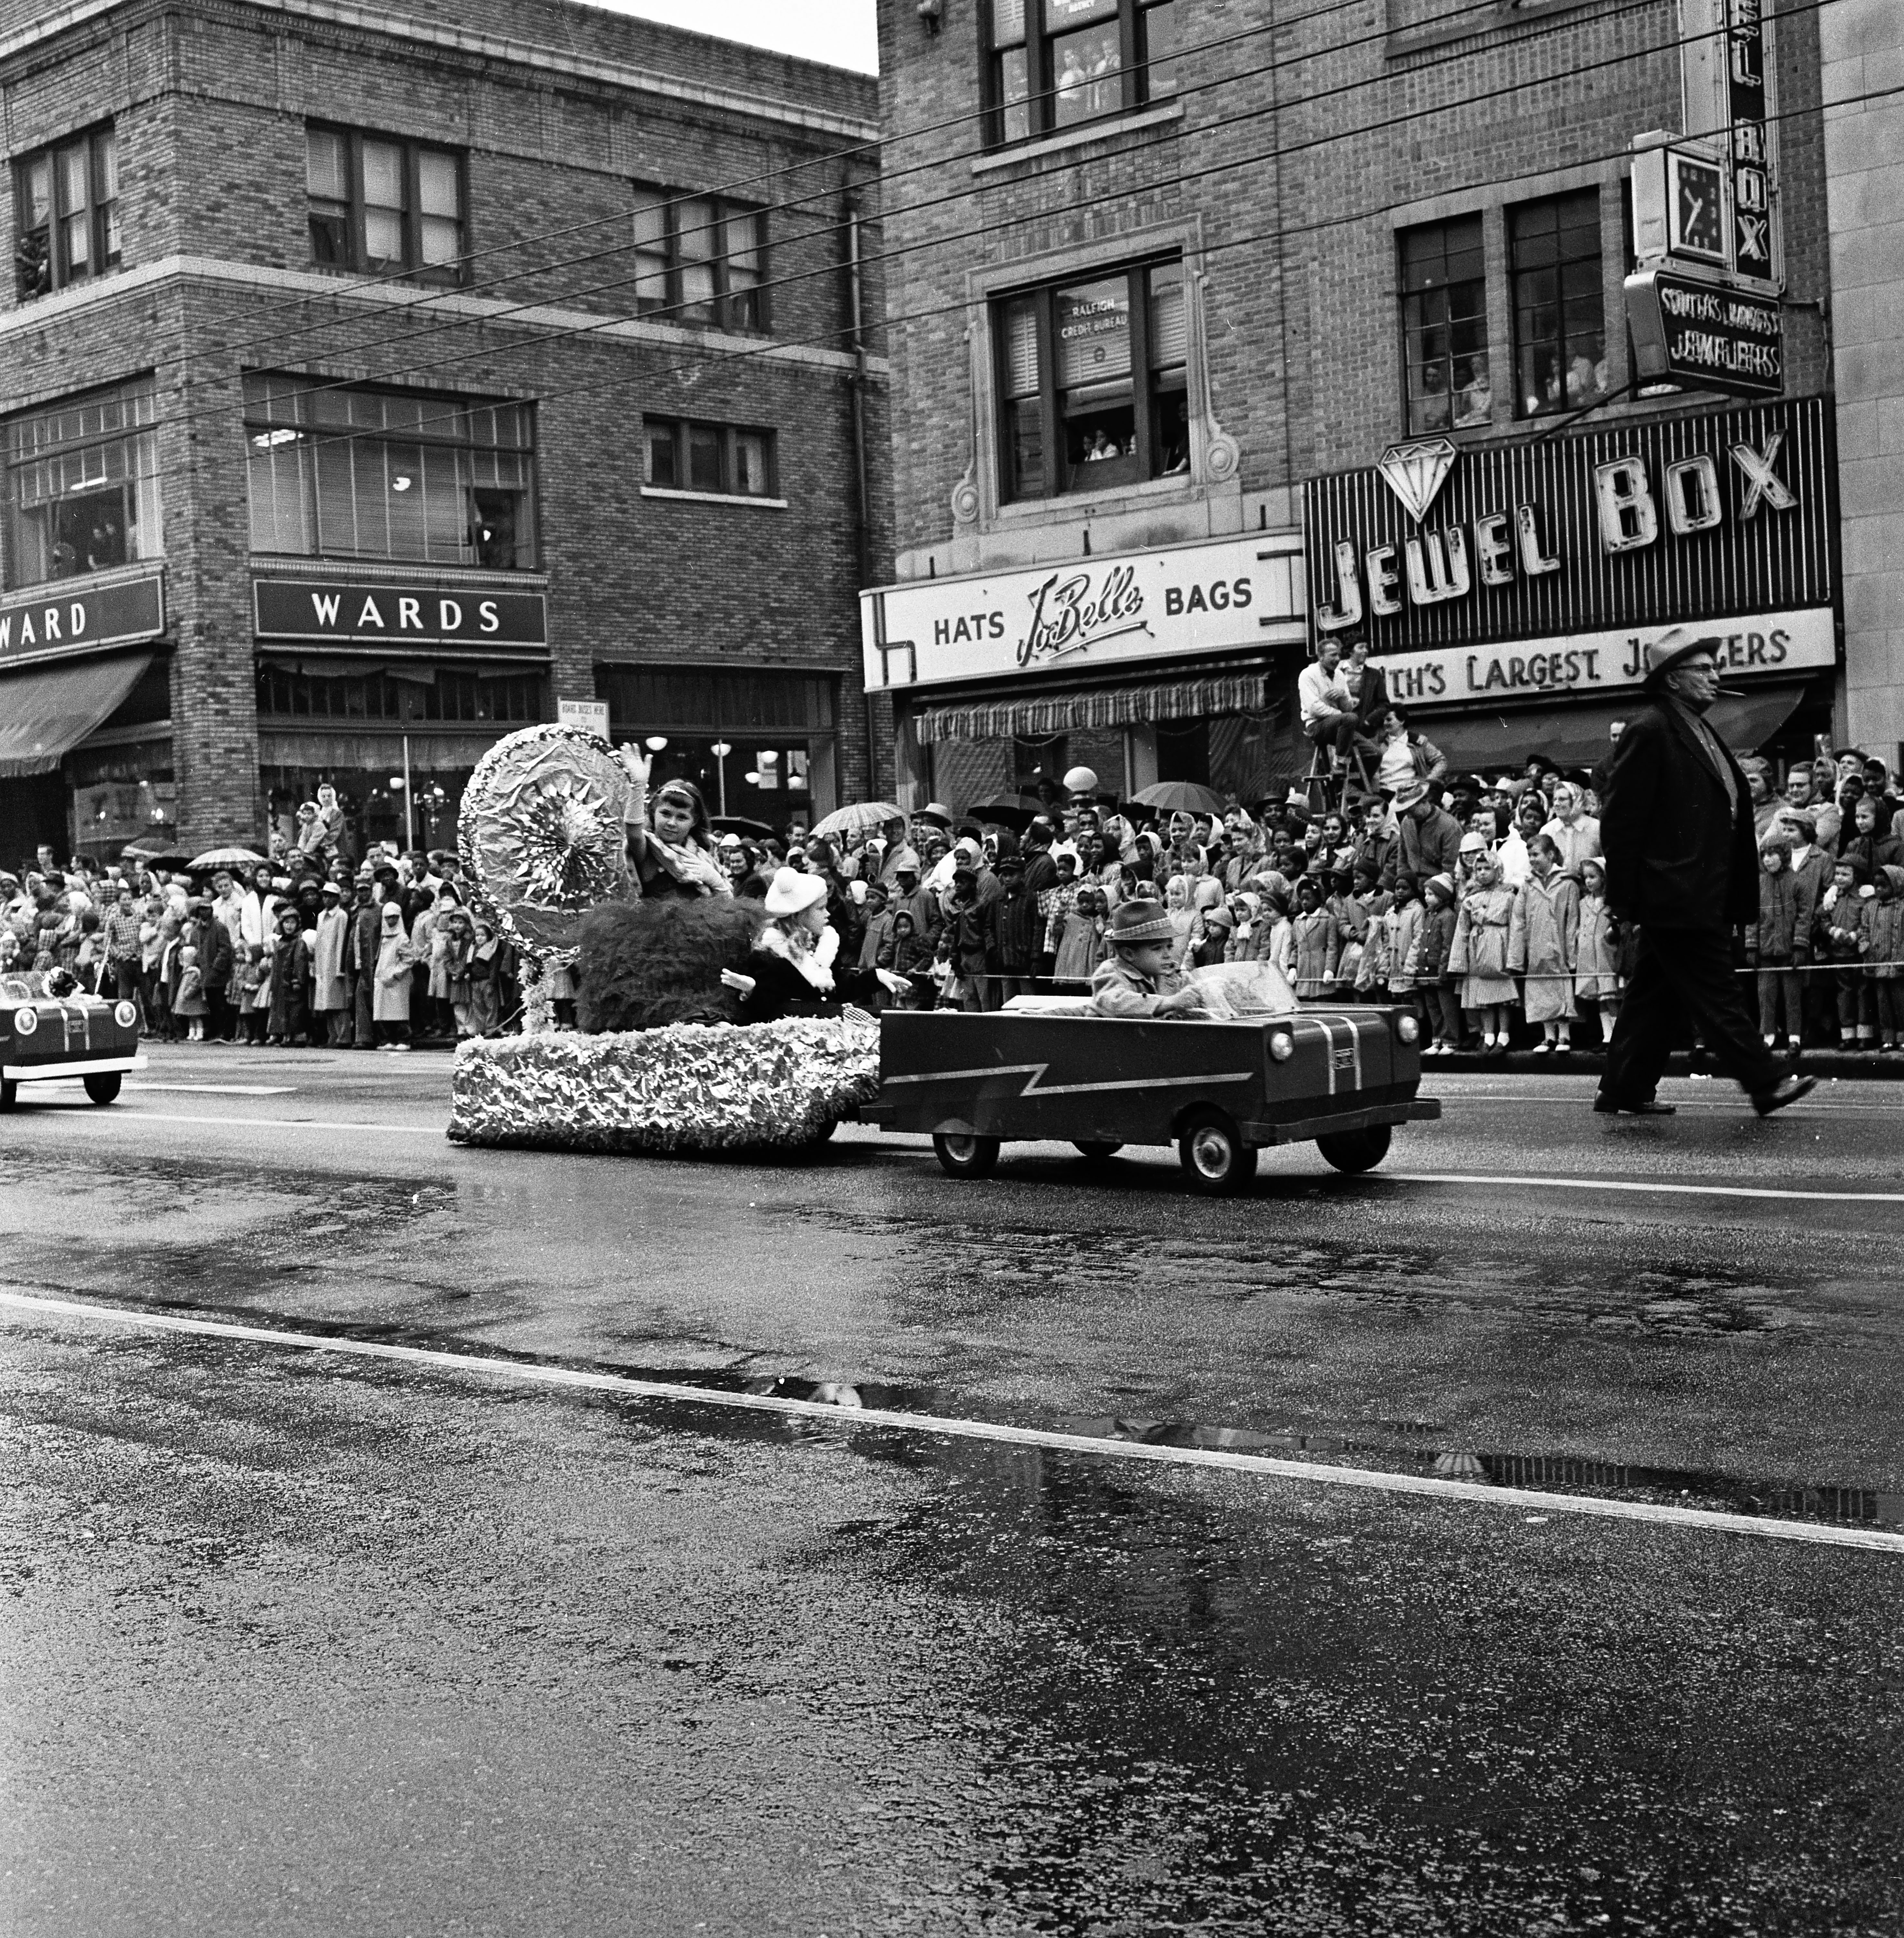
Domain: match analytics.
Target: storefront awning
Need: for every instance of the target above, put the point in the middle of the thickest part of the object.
(46, 710)
(1121, 706)
(1576, 736)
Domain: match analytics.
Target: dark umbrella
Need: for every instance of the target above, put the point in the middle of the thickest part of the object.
(155, 854)
(739, 824)
(1180, 797)
(1007, 810)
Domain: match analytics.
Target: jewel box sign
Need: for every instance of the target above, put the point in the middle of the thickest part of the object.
(1637, 525)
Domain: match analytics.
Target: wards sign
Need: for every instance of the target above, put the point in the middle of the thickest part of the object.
(398, 615)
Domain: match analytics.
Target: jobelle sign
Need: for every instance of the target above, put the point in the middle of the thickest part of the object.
(1580, 544)
(1085, 611)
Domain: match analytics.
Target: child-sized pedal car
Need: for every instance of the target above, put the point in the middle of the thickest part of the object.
(1219, 1091)
(44, 1038)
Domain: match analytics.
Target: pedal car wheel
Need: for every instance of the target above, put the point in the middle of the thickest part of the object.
(1355, 1150)
(104, 1088)
(1096, 1149)
(1215, 1158)
(964, 1154)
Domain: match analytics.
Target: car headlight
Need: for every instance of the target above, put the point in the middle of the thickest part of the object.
(26, 1020)
(1282, 1046)
(125, 1015)
(1407, 1029)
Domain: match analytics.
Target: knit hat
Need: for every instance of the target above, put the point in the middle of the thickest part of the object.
(1219, 918)
(1136, 921)
(1442, 886)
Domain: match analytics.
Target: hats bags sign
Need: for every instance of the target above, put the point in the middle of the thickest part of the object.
(1489, 573)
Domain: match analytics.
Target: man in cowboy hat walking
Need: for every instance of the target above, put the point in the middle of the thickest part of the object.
(1682, 861)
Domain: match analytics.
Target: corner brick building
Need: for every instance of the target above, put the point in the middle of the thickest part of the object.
(1167, 280)
(376, 380)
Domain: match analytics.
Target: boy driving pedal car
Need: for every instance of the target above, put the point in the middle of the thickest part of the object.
(1139, 978)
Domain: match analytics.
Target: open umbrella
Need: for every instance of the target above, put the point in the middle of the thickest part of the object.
(739, 824)
(866, 815)
(1006, 810)
(226, 857)
(155, 854)
(1180, 797)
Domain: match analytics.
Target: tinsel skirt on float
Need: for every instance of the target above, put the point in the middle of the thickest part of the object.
(688, 1088)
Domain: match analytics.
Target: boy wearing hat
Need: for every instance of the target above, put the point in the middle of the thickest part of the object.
(1138, 978)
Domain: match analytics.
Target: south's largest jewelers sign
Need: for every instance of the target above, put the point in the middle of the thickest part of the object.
(1680, 520)
(1082, 613)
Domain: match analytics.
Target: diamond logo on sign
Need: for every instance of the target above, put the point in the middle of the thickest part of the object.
(1415, 473)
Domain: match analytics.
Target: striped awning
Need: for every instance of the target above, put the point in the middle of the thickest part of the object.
(1120, 706)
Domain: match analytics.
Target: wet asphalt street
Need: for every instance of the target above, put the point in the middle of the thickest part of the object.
(297, 1641)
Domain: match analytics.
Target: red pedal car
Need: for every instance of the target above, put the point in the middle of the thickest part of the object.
(1218, 1090)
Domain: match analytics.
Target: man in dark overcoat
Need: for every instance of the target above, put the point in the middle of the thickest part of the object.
(1682, 861)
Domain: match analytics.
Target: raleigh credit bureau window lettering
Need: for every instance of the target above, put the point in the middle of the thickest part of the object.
(66, 198)
(384, 207)
(1052, 64)
(389, 474)
(1092, 383)
(83, 486)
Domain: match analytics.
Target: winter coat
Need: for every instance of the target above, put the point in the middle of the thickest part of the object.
(1080, 946)
(190, 999)
(1318, 948)
(1596, 957)
(1401, 934)
(1887, 935)
(1782, 932)
(395, 958)
(290, 977)
(1490, 946)
(1845, 929)
(330, 982)
(1011, 936)
(1551, 915)
(1437, 923)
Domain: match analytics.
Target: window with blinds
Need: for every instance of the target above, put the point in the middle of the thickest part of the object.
(82, 485)
(1093, 382)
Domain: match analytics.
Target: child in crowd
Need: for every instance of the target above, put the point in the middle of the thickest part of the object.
(1489, 948)
(1432, 974)
(1780, 943)
(1277, 944)
(1081, 940)
(1316, 945)
(1550, 915)
(485, 983)
(1209, 949)
(1597, 965)
(1845, 923)
(190, 1006)
(1401, 932)
(250, 978)
(1887, 946)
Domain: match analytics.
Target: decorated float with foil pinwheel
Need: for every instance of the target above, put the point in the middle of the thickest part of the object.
(661, 1057)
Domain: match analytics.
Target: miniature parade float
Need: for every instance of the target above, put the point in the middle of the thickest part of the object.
(662, 1057)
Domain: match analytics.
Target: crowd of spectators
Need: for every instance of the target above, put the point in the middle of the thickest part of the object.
(1480, 903)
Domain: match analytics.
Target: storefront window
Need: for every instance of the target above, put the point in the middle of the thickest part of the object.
(389, 474)
(1092, 383)
(1560, 353)
(83, 486)
(1445, 327)
(425, 693)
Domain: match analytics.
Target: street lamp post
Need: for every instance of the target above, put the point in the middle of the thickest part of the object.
(721, 751)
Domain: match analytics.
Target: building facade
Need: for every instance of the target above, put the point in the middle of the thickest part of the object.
(376, 382)
(1170, 281)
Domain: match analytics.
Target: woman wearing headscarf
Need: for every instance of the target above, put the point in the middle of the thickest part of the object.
(670, 840)
(390, 1004)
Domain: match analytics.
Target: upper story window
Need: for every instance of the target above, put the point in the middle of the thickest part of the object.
(82, 485)
(1054, 63)
(1559, 314)
(1092, 383)
(67, 204)
(701, 259)
(721, 459)
(384, 207)
(1445, 327)
(389, 474)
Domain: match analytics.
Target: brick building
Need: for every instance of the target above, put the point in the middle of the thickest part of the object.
(374, 381)
(1161, 268)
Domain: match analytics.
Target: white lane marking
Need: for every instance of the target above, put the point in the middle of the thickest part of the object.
(1641, 1186)
(92, 1116)
(1374, 1480)
(224, 1089)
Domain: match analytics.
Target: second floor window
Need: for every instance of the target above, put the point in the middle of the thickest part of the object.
(82, 485)
(1445, 327)
(384, 208)
(1092, 383)
(389, 474)
(68, 203)
(1054, 63)
(700, 259)
(722, 460)
(1559, 313)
